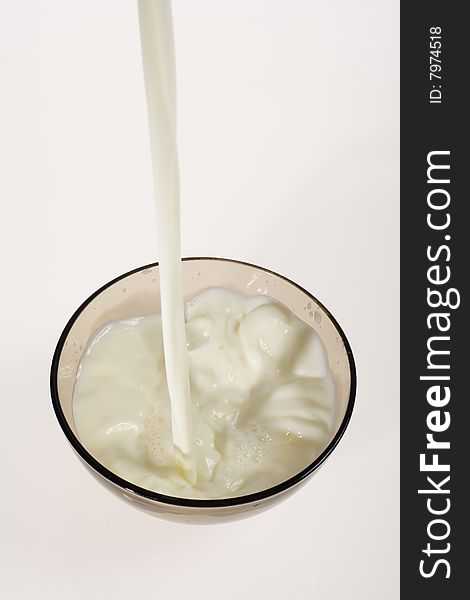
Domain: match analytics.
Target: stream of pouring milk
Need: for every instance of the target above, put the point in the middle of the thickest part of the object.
(156, 33)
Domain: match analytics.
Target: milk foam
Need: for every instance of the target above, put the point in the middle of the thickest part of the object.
(262, 397)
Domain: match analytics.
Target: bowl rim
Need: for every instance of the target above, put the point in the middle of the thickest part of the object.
(198, 502)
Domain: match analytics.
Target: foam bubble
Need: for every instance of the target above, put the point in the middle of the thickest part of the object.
(157, 439)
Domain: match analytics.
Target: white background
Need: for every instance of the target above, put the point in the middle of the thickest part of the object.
(288, 129)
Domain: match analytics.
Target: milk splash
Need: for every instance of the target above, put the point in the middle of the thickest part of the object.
(262, 397)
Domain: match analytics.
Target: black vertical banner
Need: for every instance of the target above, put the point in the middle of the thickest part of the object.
(435, 269)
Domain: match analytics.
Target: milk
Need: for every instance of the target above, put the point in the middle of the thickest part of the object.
(156, 32)
(229, 399)
(262, 397)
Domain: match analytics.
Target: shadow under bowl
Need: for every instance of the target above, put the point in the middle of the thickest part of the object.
(137, 293)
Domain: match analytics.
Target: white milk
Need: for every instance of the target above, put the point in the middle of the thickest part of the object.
(262, 397)
(156, 32)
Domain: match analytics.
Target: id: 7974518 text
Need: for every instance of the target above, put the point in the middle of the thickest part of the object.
(435, 64)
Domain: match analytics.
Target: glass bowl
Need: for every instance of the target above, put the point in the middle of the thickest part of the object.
(137, 293)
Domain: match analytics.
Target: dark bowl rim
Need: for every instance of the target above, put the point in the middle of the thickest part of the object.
(198, 502)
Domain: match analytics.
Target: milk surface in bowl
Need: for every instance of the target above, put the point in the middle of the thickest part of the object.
(262, 395)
